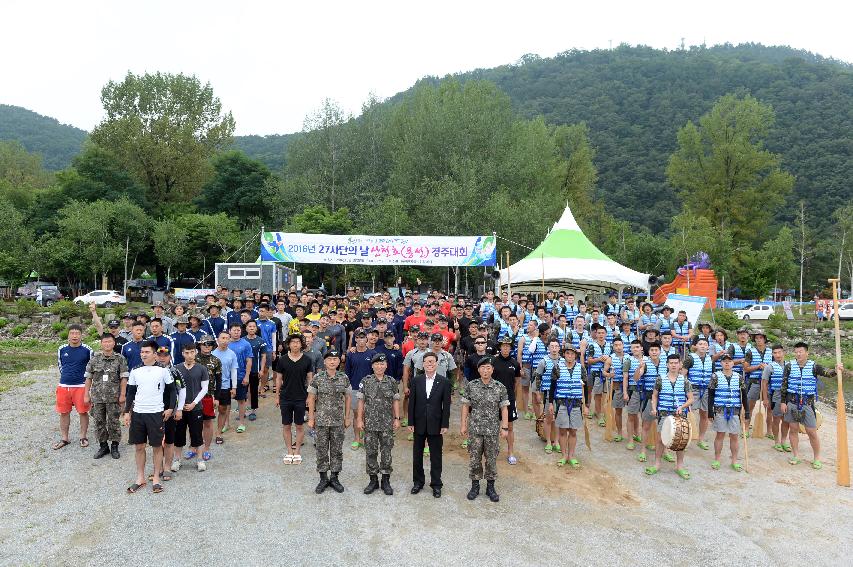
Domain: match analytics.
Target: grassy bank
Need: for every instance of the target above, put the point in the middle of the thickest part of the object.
(18, 356)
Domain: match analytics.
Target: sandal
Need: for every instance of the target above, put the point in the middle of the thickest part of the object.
(817, 465)
(220, 440)
(165, 477)
(651, 470)
(60, 444)
(206, 456)
(786, 447)
(703, 445)
(225, 429)
(549, 449)
(617, 438)
(355, 445)
(252, 416)
(288, 459)
(574, 463)
(650, 447)
(84, 442)
(556, 447)
(297, 459)
(133, 488)
(465, 444)
(668, 458)
(512, 460)
(630, 446)
(771, 436)
(794, 461)
(715, 465)
(637, 439)
(642, 457)
(737, 467)
(601, 423)
(241, 428)
(778, 447)
(562, 462)
(190, 455)
(157, 488)
(683, 473)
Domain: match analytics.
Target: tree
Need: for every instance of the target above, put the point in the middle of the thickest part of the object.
(723, 173)
(803, 244)
(238, 187)
(843, 218)
(319, 220)
(20, 168)
(164, 128)
(98, 175)
(772, 264)
(15, 243)
(170, 245)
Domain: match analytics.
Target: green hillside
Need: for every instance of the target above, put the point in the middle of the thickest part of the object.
(635, 99)
(57, 143)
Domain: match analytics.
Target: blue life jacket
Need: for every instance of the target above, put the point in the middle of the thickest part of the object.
(546, 375)
(739, 351)
(680, 329)
(650, 374)
(611, 332)
(776, 376)
(569, 384)
(537, 355)
(727, 393)
(802, 381)
(634, 364)
(671, 396)
(701, 370)
(758, 358)
(594, 350)
(577, 338)
(617, 365)
(715, 349)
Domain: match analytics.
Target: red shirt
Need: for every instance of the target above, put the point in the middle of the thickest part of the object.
(414, 320)
(408, 345)
(445, 308)
(449, 337)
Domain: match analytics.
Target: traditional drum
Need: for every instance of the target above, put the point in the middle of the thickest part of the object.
(675, 432)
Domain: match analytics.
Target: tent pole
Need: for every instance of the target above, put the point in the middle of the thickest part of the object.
(508, 279)
(543, 278)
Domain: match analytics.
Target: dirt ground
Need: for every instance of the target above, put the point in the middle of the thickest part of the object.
(64, 508)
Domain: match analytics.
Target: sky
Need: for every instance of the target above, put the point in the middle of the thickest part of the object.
(273, 63)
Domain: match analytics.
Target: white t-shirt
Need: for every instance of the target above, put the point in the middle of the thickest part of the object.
(150, 382)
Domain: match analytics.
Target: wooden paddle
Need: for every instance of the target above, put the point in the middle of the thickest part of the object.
(745, 438)
(609, 418)
(693, 418)
(759, 420)
(585, 425)
(843, 460)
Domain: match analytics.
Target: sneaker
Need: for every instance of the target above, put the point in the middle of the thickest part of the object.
(512, 460)
(206, 456)
(252, 416)
(200, 466)
(176, 465)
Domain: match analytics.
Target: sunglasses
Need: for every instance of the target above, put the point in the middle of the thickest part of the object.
(479, 342)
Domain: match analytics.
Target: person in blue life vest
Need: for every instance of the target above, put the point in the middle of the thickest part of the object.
(799, 390)
(726, 397)
(699, 366)
(771, 397)
(672, 395)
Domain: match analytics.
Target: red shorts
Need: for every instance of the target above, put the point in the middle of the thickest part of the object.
(67, 397)
(207, 406)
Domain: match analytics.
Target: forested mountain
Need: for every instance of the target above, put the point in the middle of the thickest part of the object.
(57, 143)
(271, 150)
(634, 100)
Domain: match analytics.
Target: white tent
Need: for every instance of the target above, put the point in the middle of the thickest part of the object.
(566, 259)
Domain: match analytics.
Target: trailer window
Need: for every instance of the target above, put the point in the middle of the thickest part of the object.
(244, 273)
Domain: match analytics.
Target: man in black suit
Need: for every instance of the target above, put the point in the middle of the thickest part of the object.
(429, 419)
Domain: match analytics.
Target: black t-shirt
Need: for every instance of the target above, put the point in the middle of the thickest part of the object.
(506, 371)
(120, 342)
(192, 379)
(471, 362)
(467, 344)
(464, 327)
(294, 386)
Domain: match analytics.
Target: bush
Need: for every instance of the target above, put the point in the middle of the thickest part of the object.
(57, 327)
(777, 321)
(3, 322)
(67, 309)
(726, 320)
(26, 307)
(63, 334)
(18, 329)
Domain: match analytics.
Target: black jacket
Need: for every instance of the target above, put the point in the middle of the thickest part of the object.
(429, 415)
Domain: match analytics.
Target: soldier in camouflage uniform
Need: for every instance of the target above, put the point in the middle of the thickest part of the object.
(379, 418)
(485, 417)
(206, 344)
(329, 397)
(106, 381)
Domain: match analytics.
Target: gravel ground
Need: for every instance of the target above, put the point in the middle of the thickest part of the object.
(64, 508)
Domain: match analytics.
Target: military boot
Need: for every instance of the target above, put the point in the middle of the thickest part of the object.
(372, 485)
(103, 451)
(335, 483)
(114, 450)
(475, 489)
(323, 484)
(490, 491)
(386, 485)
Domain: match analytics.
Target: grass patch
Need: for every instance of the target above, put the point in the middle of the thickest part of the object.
(14, 360)
(12, 381)
(18, 330)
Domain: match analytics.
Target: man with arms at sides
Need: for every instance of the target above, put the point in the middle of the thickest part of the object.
(71, 391)
(150, 399)
(228, 361)
(243, 350)
(429, 419)
(293, 374)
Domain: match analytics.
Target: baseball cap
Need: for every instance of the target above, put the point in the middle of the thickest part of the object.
(486, 360)
(113, 323)
(163, 350)
(423, 335)
(505, 340)
(726, 356)
(360, 333)
(332, 353)
(389, 333)
(436, 337)
(365, 315)
(378, 357)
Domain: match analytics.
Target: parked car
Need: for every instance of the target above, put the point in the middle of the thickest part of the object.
(756, 311)
(50, 294)
(845, 312)
(102, 298)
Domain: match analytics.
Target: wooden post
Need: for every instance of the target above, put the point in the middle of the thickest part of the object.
(843, 459)
(508, 279)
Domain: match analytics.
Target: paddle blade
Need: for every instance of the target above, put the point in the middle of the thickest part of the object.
(760, 427)
(693, 418)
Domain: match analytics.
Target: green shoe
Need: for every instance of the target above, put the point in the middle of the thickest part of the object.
(562, 462)
(668, 458)
(355, 445)
(601, 423)
(410, 437)
(617, 438)
(771, 436)
(404, 423)
(631, 446)
(574, 463)
(465, 444)
(549, 449)
(426, 450)
(683, 474)
(794, 461)
(817, 465)
(786, 447)
(651, 470)
(737, 467)
(650, 447)
(715, 465)
(778, 447)
(703, 445)
(556, 447)
(637, 439)
(642, 457)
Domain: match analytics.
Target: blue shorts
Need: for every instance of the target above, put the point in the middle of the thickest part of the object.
(242, 391)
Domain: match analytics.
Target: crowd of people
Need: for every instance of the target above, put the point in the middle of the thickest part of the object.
(376, 365)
